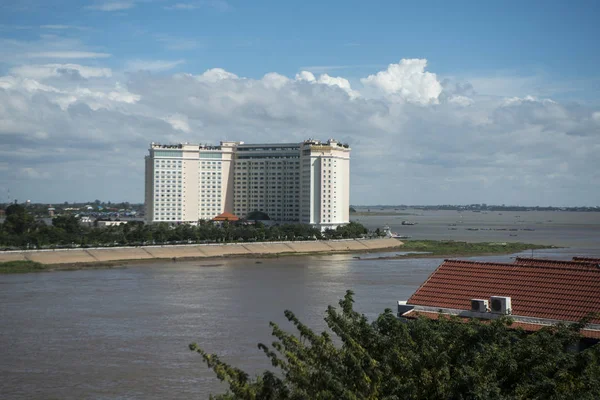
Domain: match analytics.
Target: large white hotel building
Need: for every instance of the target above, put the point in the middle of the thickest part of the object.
(306, 182)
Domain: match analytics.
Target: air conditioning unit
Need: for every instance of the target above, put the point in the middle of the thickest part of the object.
(501, 305)
(479, 305)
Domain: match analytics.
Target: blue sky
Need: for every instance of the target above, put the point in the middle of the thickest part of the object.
(251, 38)
(489, 73)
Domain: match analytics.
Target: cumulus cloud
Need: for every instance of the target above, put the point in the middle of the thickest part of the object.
(275, 80)
(95, 99)
(407, 80)
(413, 142)
(324, 79)
(461, 100)
(305, 76)
(216, 75)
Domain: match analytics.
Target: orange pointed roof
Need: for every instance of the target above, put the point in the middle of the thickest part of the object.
(226, 217)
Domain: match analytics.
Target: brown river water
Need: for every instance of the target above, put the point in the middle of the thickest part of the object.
(123, 333)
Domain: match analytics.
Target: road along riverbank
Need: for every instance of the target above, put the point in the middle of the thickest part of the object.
(81, 258)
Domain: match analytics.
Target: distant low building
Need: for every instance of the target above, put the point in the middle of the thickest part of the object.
(102, 224)
(534, 292)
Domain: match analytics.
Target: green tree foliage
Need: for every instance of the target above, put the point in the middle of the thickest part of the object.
(18, 221)
(68, 223)
(257, 215)
(351, 230)
(21, 230)
(417, 359)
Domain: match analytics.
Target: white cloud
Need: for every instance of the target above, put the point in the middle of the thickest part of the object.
(29, 85)
(461, 100)
(407, 145)
(219, 5)
(324, 79)
(178, 122)
(56, 70)
(305, 76)
(60, 27)
(112, 5)
(342, 83)
(67, 54)
(506, 85)
(152, 65)
(100, 98)
(183, 6)
(275, 80)
(407, 80)
(216, 74)
(55, 26)
(527, 99)
(16, 52)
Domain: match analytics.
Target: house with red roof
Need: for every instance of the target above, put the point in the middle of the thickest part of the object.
(534, 292)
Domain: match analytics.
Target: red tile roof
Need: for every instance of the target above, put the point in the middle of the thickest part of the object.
(226, 216)
(587, 259)
(594, 334)
(556, 291)
(543, 262)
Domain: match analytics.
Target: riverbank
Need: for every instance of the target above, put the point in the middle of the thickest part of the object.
(20, 267)
(73, 259)
(453, 249)
(115, 256)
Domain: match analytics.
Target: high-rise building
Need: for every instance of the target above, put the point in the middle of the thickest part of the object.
(305, 182)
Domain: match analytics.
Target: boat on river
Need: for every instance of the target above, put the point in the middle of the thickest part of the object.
(388, 233)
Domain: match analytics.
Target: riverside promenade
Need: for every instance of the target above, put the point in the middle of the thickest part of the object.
(101, 255)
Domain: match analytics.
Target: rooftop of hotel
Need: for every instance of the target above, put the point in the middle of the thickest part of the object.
(242, 145)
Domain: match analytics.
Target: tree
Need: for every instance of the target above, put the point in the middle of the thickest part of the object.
(257, 216)
(67, 222)
(417, 359)
(18, 221)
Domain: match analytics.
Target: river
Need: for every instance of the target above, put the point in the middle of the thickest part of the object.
(123, 333)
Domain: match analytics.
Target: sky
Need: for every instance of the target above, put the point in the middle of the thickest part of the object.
(441, 102)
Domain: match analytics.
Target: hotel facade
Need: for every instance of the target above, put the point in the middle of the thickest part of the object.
(306, 182)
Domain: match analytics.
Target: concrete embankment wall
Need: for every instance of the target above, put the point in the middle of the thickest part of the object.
(76, 256)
